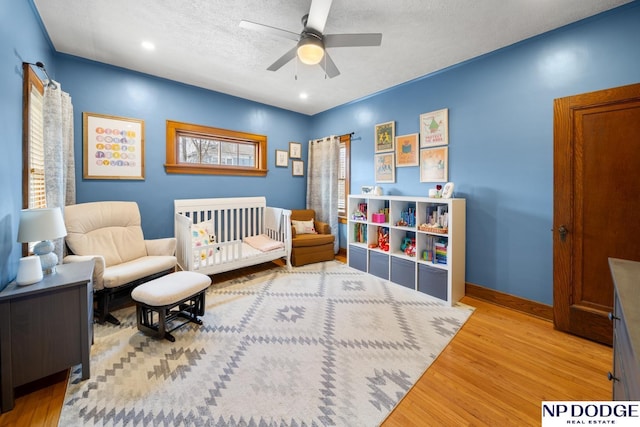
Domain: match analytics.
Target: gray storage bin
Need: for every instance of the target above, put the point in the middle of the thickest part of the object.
(379, 264)
(403, 272)
(433, 281)
(358, 258)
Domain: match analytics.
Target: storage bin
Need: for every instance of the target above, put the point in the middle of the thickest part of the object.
(403, 272)
(433, 281)
(358, 258)
(379, 264)
(378, 217)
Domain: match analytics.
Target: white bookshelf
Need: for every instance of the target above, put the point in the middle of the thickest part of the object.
(442, 279)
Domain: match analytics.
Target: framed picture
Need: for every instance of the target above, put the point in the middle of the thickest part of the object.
(113, 147)
(407, 150)
(385, 168)
(447, 191)
(434, 164)
(385, 134)
(282, 158)
(434, 128)
(295, 150)
(297, 168)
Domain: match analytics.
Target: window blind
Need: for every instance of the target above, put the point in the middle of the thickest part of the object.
(37, 193)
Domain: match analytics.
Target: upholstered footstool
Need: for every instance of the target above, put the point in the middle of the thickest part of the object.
(180, 294)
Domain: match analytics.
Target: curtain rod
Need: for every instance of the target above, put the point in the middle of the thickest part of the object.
(50, 82)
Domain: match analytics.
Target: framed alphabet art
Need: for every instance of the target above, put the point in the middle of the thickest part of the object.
(113, 147)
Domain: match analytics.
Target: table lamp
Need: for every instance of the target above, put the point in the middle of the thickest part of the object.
(41, 225)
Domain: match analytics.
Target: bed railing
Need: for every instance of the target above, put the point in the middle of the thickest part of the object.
(231, 220)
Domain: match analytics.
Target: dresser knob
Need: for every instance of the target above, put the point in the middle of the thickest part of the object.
(612, 317)
(611, 377)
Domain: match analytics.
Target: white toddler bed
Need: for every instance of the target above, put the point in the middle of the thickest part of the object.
(217, 235)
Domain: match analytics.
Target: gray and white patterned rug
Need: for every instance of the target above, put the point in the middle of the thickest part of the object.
(321, 345)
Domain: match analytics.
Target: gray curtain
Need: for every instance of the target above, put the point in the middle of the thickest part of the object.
(322, 182)
(60, 182)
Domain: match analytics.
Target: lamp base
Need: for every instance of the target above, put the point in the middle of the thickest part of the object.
(48, 258)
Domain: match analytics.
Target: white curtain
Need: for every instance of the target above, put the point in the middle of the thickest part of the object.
(322, 182)
(60, 182)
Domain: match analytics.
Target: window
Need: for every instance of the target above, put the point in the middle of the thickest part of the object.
(196, 149)
(33, 184)
(343, 174)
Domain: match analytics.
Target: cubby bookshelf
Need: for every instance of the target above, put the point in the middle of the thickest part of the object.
(417, 242)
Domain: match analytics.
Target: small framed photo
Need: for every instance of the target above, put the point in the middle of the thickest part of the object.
(297, 168)
(113, 147)
(434, 164)
(385, 168)
(385, 134)
(407, 150)
(447, 191)
(295, 150)
(282, 158)
(434, 128)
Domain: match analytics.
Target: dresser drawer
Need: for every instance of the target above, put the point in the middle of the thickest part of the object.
(627, 386)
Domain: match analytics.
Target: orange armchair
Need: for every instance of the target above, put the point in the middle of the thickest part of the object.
(311, 241)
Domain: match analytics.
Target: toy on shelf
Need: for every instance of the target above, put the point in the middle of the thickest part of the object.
(383, 239)
(360, 214)
(408, 246)
(407, 218)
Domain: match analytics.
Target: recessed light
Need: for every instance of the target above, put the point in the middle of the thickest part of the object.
(148, 45)
(303, 95)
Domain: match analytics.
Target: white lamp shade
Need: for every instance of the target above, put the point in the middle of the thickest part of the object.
(41, 224)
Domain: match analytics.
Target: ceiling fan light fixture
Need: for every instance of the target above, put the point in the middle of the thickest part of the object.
(310, 49)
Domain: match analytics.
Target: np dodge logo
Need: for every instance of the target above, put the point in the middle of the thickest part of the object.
(616, 413)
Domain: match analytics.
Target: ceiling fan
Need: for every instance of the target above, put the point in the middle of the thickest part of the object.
(311, 42)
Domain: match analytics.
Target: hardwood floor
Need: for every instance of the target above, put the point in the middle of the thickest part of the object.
(497, 371)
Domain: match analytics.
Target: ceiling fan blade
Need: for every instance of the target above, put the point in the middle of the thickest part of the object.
(329, 66)
(270, 30)
(352, 40)
(283, 59)
(318, 13)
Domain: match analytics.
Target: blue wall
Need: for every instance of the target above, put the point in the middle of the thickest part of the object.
(102, 89)
(501, 139)
(501, 132)
(21, 39)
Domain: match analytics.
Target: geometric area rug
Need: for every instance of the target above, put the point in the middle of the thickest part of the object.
(320, 345)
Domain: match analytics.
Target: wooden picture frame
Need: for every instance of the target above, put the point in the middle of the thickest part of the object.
(282, 158)
(295, 150)
(434, 128)
(297, 168)
(434, 164)
(385, 135)
(113, 147)
(407, 152)
(385, 168)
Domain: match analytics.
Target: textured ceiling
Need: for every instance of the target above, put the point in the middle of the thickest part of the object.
(200, 42)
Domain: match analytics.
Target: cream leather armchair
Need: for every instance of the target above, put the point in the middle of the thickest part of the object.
(111, 234)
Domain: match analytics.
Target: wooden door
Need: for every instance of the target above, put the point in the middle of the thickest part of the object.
(596, 204)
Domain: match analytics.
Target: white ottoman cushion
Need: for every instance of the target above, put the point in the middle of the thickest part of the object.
(170, 289)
